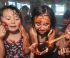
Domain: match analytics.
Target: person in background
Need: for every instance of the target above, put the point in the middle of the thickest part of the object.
(13, 37)
(25, 12)
(64, 44)
(42, 32)
(66, 20)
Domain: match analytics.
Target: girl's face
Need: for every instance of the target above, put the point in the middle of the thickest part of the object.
(66, 21)
(11, 19)
(42, 23)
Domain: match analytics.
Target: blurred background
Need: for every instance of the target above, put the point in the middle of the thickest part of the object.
(59, 6)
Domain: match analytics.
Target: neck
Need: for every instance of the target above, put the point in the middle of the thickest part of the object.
(14, 35)
(13, 32)
(42, 35)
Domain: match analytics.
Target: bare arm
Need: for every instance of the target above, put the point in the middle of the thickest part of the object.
(2, 51)
(2, 34)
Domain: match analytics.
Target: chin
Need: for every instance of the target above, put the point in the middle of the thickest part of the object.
(42, 33)
(14, 30)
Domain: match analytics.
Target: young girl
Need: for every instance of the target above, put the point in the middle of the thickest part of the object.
(12, 34)
(43, 31)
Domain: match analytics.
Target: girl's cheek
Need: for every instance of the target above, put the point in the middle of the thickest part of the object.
(19, 25)
(5, 25)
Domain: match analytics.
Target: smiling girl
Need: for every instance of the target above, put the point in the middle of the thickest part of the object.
(43, 31)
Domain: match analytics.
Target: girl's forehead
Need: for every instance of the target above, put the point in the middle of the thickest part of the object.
(42, 18)
(42, 15)
(9, 11)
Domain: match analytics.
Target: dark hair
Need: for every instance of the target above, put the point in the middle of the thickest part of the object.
(23, 8)
(12, 8)
(67, 15)
(39, 10)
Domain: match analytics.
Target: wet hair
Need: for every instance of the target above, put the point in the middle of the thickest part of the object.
(44, 9)
(12, 8)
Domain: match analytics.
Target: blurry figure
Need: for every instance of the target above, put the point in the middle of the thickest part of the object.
(64, 44)
(25, 12)
(66, 20)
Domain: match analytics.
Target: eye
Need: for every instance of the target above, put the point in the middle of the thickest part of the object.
(17, 17)
(47, 24)
(7, 18)
(38, 24)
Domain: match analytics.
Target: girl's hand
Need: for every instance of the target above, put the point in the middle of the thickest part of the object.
(2, 31)
(33, 47)
(64, 51)
(44, 52)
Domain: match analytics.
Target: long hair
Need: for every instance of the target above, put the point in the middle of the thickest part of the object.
(21, 28)
(44, 9)
(39, 10)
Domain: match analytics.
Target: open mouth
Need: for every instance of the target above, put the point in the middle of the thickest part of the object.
(12, 26)
(42, 31)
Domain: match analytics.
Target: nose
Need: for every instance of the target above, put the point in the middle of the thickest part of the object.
(13, 21)
(41, 27)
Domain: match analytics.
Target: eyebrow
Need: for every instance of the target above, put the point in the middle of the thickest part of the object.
(37, 22)
(6, 16)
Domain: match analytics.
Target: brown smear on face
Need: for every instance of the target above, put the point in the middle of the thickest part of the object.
(42, 23)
